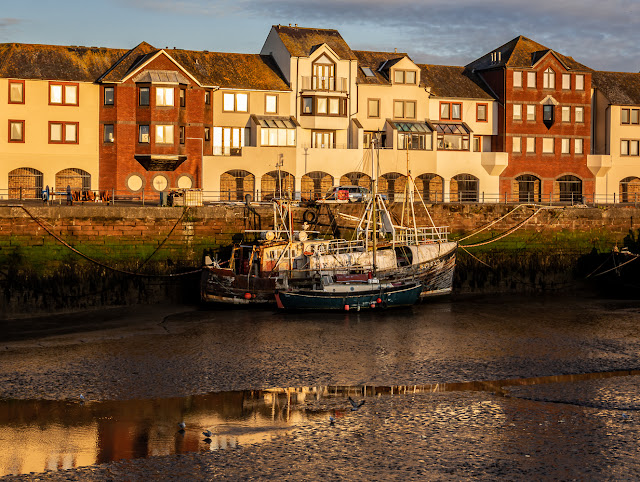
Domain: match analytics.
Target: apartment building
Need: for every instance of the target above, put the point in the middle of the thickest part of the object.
(521, 123)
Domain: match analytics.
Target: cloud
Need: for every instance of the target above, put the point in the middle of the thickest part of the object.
(601, 35)
(9, 22)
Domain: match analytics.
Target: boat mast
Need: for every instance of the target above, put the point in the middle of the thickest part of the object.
(374, 190)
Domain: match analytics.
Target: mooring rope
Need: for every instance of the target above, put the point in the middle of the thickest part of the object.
(117, 270)
(635, 257)
(505, 234)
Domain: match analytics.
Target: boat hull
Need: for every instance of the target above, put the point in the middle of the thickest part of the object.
(219, 285)
(388, 297)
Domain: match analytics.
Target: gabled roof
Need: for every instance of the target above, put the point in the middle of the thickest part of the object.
(234, 71)
(54, 62)
(452, 81)
(620, 88)
(301, 42)
(522, 52)
(129, 61)
(379, 63)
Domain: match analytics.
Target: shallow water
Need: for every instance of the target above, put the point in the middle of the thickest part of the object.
(537, 387)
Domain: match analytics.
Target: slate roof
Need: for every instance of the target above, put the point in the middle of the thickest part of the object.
(522, 52)
(620, 88)
(301, 42)
(54, 62)
(128, 62)
(452, 81)
(235, 71)
(379, 62)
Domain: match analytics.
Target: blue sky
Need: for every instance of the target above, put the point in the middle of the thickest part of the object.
(602, 35)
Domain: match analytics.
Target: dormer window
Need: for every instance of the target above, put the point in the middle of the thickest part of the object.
(547, 115)
(324, 71)
(404, 77)
(549, 79)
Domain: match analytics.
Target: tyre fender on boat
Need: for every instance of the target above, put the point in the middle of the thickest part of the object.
(310, 216)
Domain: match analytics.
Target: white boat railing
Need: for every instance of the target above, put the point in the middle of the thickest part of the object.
(341, 246)
(422, 235)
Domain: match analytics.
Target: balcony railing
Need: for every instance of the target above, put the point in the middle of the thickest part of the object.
(325, 84)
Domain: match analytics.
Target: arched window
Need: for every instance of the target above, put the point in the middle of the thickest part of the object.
(315, 185)
(236, 184)
(356, 179)
(278, 184)
(25, 183)
(569, 189)
(431, 187)
(77, 179)
(630, 190)
(549, 79)
(464, 188)
(527, 188)
(392, 185)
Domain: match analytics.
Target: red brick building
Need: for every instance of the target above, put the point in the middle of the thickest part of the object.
(544, 120)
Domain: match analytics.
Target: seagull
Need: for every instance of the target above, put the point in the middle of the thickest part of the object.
(181, 426)
(355, 405)
(207, 433)
(332, 420)
(81, 397)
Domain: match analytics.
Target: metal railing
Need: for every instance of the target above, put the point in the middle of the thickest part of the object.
(422, 235)
(154, 198)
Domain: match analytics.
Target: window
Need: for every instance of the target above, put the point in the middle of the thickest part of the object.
(368, 72)
(481, 112)
(547, 145)
(450, 110)
(307, 105)
(517, 111)
(270, 104)
(452, 137)
(531, 145)
(109, 93)
(277, 133)
(445, 111)
(63, 94)
(164, 134)
(456, 111)
(404, 77)
(16, 131)
(415, 141)
(531, 80)
(578, 146)
(323, 139)
(404, 109)
(182, 134)
(547, 115)
(143, 134)
(164, 96)
(323, 74)
(624, 116)
(517, 78)
(334, 106)
(477, 144)
(517, 144)
(579, 82)
(579, 114)
(235, 102)
(566, 114)
(531, 112)
(207, 134)
(207, 97)
(228, 141)
(564, 146)
(629, 148)
(321, 106)
(108, 133)
(634, 116)
(566, 81)
(183, 97)
(16, 92)
(549, 79)
(373, 107)
(63, 132)
(143, 96)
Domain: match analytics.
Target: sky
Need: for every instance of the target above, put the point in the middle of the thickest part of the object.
(600, 34)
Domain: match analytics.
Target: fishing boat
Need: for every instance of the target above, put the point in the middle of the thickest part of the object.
(285, 260)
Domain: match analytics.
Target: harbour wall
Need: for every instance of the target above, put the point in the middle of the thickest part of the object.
(56, 258)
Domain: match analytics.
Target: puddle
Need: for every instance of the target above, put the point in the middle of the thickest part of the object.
(40, 435)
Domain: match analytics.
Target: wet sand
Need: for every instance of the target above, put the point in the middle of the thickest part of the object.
(587, 429)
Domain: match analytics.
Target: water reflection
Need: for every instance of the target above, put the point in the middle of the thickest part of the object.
(38, 435)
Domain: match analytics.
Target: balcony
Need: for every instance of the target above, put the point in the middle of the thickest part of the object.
(325, 84)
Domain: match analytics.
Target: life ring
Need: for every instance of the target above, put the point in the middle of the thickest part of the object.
(310, 216)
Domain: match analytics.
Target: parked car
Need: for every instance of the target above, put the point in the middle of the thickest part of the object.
(348, 194)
